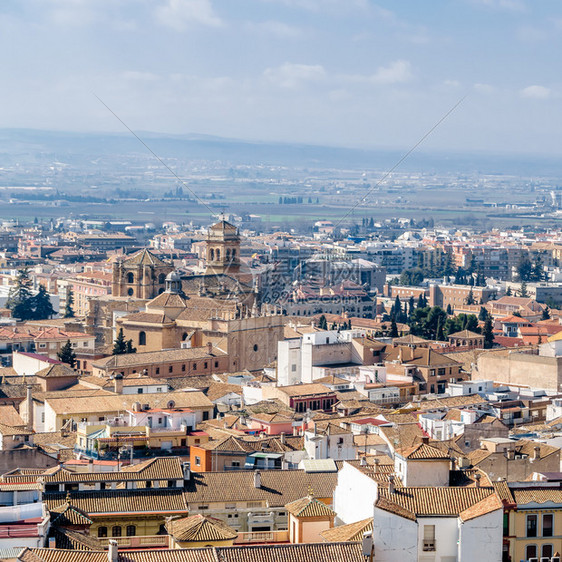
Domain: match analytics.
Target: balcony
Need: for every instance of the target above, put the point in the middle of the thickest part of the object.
(262, 537)
(147, 541)
(429, 546)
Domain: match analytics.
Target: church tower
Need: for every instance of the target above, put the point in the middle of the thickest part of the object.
(223, 249)
(143, 276)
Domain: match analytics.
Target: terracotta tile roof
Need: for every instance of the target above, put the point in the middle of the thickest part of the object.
(126, 501)
(144, 257)
(537, 495)
(309, 506)
(152, 357)
(200, 528)
(420, 356)
(278, 487)
(172, 300)
(414, 502)
(350, 532)
(305, 389)
(118, 403)
(451, 402)
(74, 540)
(423, 451)
(465, 334)
(146, 318)
(56, 371)
(326, 552)
(66, 514)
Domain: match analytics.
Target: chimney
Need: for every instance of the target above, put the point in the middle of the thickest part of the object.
(536, 454)
(52, 542)
(118, 383)
(282, 438)
(363, 461)
(112, 551)
(477, 477)
(210, 348)
(29, 405)
(375, 464)
(91, 465)
(257, 479)
(186, 471)
(425, 440)
(391, 488)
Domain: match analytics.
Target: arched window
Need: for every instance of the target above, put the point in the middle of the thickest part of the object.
(212, 254)
(116, 531)
(234, 253)
(131, 530)
(102, 532)
(161, 279)
(184, 337)
(531, 551)
(142, 338)
(130, 278)
(218, 254)
(161, 290)
(227, 255)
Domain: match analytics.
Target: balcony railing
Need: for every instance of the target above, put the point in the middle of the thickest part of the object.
(429, 545)
(160, 541)
(262, 537)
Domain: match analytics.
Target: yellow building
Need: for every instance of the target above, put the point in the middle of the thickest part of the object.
(199, 531)
(308, 518)
(532, 521)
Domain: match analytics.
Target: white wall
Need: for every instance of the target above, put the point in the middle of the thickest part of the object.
(396, 538)
(481, 538)
(24, 365)
(354, 495)
(446, 537)
(422, 473)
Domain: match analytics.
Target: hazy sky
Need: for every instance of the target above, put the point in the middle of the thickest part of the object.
(336, 72)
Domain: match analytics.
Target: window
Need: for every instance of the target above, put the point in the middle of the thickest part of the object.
(158, 389)
(216, 364)
(531, 526)
(205, 416)
(429, 538)
(116, 531)
(235, 463)
(157, 370)
(195, 366)
(205, 365)
(102, 532)
(140, 391)
(197, 461)
(547, 525)
(130, 292)
(293, 368)
(130, 278)
(171, 369)
(531, 551)
(131, 530)
(255, 347)
(142, 338)
(183, 368)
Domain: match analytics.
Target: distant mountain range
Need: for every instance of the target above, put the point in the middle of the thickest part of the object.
(30, 143)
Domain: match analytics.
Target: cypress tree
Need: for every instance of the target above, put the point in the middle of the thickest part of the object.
(67, 355)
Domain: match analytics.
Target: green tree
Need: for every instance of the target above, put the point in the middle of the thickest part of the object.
(509, 292)
(67, 355)
(470, 298)
(41, 303)
(546, 313)
(322, 323)
(68, 310)
(393, 329)
(130, 348)
(483, 314)
(488, 334)
(449, 309)
(20, 300)
(120, 345)
(525, 269)
(523, 290)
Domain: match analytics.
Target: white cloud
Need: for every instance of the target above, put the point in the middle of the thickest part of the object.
(141, 76)
(275, 29)
(451, 84)
(291, 75)
(484, 88)
(396, 72)
(507, 5)
(178, 14)
(536, 92)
